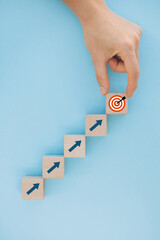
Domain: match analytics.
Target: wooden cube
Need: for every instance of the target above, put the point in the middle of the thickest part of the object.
(53, 167)
(33, 188)
(116, 103)
(74, 146)
(96, 125)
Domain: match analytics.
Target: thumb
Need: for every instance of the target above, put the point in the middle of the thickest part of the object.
(101, 75)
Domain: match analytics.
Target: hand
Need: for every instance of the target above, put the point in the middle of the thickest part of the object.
(112, 39)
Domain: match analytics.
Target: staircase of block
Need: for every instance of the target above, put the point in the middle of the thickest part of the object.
(33, 187)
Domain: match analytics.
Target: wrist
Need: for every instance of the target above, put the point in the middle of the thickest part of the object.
(90, 10)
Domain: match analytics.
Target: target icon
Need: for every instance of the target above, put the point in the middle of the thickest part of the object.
(117, 103)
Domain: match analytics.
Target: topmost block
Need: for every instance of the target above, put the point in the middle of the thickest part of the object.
(116, 103)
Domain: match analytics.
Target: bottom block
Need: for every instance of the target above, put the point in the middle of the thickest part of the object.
(33, 188)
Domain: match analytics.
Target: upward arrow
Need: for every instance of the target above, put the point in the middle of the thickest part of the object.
(35, 186)
(56, 165)
(98, 123)
(77, 143)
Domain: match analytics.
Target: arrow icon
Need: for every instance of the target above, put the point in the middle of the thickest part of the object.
(35, 186)
(98, 123)
(77, 143)
(123, 98)
(56, 165)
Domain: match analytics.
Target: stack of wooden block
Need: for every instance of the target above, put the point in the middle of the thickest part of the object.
(33, 188)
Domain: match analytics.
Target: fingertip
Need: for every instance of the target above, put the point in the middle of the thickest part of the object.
(103, 91)
(129, 93)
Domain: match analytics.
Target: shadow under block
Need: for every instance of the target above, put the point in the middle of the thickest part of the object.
(116, 103)
(33, 188)
(53, 167)
(74, 146)
(96, 125)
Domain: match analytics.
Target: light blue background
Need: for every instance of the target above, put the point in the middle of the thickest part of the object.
(47, 85)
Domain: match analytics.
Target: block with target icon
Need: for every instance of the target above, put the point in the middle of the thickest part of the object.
(116, 103)
(33, 188)
(74, 146)
(96, 125)
(53, 167)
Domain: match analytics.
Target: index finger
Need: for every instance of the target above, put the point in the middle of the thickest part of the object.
(132, 68)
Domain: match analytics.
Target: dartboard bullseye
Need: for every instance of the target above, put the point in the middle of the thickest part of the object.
(116, 103)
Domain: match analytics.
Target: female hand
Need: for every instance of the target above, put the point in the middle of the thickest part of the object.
(110, 39)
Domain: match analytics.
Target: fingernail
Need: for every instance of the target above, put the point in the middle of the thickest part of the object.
(103, 91)
(129, 94)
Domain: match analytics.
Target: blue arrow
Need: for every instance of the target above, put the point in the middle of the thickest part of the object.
(98, 123)
(77, 143)
(35, 186)
(56, 165)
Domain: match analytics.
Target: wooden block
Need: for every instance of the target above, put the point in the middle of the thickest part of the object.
(33, 188)
(116, 103)
(74, 146)
(53, 167)
(96, 125)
